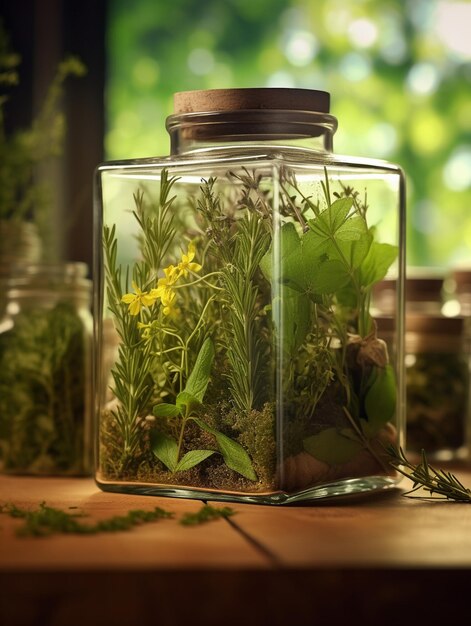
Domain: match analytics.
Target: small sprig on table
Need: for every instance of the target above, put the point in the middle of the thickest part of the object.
(441, 485)
(47, 520)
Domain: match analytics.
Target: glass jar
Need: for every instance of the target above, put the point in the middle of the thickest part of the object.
(20, 244)
(457, 293)
(437, 383)
(45, 371)
(237, 274)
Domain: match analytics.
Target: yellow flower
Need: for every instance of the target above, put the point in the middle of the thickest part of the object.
(168, 302)
(163, 291)
(172, 274)
(138, 299)
(148, 330)
(186, 264)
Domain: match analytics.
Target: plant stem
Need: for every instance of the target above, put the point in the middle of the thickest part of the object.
(365, 441)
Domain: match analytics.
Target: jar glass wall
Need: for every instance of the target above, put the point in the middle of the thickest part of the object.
(242, 360)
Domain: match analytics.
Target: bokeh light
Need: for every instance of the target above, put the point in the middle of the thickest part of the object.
(399, 74)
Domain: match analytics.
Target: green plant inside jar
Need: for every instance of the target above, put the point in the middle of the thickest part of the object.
(205, 328)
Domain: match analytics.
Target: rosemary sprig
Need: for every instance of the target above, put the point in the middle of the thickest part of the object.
(441, 485)
(132, 376)
(241, 252)
(245, 347)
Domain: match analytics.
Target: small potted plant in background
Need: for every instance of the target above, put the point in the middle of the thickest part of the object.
(45, 320)
(25, 200)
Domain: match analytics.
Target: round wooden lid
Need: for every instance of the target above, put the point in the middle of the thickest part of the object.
(278, 98)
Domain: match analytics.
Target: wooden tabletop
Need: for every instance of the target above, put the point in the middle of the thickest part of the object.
(378, 555)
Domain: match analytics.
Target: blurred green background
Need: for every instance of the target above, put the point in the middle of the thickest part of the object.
(399, 74)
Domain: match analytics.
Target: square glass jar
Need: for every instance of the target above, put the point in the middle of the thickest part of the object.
(236, 354)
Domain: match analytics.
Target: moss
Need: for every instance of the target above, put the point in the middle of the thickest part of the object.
(48, 520)
(256, 433)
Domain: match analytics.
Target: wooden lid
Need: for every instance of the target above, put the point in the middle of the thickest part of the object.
(274, 98)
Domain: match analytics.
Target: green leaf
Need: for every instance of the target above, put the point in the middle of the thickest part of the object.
(329, 277)
(289, 242)
(234, 455)
(332, 218)
(199, 378)
(333, 447)
(353, 229)
(186, 401)
(379, 259)
(166, 410)
(293, 271)
(354, 251)
(380, 400)
(308, 271)
(192, 458)
(165, 449)
(292, 318)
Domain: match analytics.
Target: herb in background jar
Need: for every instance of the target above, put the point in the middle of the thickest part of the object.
(437, 379)
(45, 344)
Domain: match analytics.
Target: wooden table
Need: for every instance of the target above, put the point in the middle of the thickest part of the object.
(382, 559)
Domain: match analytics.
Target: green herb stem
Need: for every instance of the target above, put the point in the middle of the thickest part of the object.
(439, 484)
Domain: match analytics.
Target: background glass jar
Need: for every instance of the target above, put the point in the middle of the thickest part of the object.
(45, 371)
(423, 293)
(437, 378)
(237, 276)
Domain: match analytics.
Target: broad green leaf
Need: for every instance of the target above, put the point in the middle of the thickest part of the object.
(338, 212)
(347, 296)
(234, 455)
(353, 251)
(289, 242)
(266, 264)
(353, 229)
(379, 259)
(332, 218)
(199, 378)
(187, 401)
(307, 272)
(289, 239)
(166, 410)
(294, 309)
(314, 247)
(332, 447)
(192, 458)
(380, 400)
(165, 449)
(293, 273)
(349, 243)
(329, 277)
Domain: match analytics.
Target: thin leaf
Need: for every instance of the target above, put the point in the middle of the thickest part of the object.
(234, 455)
(379, 259)
(332, 447)
(192, 458)
(165, 449)
(199, 378)
(166, 410)
(186, 401)
(380, 401)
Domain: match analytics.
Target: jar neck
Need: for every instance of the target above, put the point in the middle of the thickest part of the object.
(309, 130)
(40, 283)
